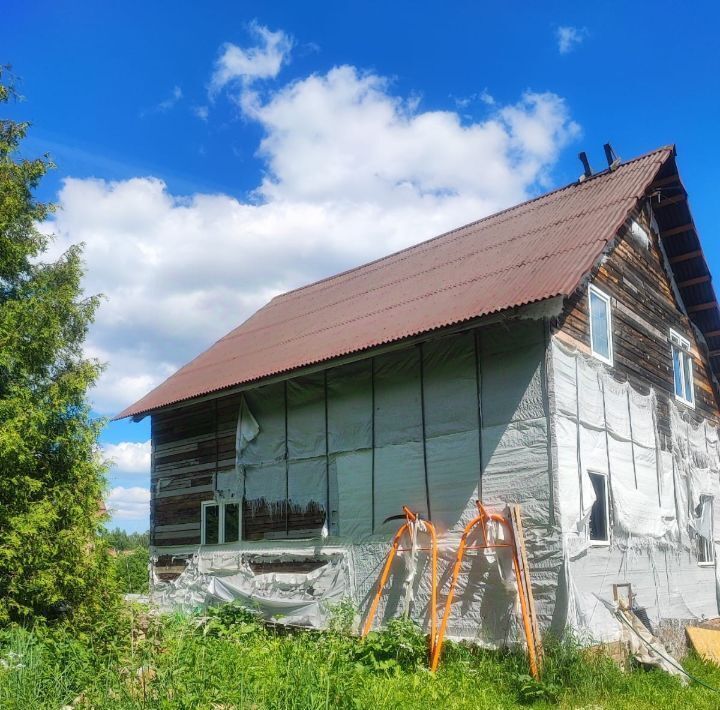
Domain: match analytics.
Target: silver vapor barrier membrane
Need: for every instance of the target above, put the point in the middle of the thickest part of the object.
(432, 426)
(662, 502)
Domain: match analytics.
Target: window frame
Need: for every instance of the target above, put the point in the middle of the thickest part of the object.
(711, 543)
(592, 289)
(221, 521)
(682, 345)
(594, 542)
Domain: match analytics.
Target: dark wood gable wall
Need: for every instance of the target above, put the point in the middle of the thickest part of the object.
(190, 446)
(644, 308)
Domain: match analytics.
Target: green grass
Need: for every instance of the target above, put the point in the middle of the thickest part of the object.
(229, 661)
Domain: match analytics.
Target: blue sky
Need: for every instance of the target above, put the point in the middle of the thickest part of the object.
(211, 156)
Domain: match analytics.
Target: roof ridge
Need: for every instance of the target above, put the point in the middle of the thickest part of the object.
(506, 210)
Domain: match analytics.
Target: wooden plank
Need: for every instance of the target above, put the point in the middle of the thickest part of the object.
(706, 642)
(709, 305)
(686, 256)
(694, 281)
(688, 226)
(516, 520)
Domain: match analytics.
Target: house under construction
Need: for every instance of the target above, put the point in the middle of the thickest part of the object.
(560, 355)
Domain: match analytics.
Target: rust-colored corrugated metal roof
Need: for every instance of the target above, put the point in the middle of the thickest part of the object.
(537, 250)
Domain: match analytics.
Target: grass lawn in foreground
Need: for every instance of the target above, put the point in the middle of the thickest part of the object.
(226, 660)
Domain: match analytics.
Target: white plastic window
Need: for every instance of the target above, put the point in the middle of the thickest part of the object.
(219, 523)
(704, 529)
(599, 523)
(600, 325)
(682, 369)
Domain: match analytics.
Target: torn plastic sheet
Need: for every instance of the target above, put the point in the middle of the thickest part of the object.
(608, 427)
(639, 515)
(230, 484)
(292, 598)
(645, 647)
(485, 609)
(653, 497)
(703, 521)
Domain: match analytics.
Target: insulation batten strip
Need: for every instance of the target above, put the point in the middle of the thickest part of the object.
(372, 444)
(327, 455)
(577, 423)
(632, 438)
(478, 394)
(287, 464)
(424, 439)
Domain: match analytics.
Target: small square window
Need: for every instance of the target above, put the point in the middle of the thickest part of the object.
(600, 325)
(210, 523)
(682, 369)
(704, 530)
(600, 511)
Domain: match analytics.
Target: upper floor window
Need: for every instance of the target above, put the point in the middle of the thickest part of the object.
(682, 368)
(600, 325)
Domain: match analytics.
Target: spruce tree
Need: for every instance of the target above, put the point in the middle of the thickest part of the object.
(51, 477)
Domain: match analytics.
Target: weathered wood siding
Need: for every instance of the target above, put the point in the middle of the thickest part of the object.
(190, 446)
(644, 308)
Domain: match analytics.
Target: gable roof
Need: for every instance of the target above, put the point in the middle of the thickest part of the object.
(537, 250)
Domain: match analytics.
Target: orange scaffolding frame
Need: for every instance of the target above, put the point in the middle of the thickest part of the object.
(411, 519)
(482, 520)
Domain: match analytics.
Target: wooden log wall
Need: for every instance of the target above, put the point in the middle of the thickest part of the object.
(190, 446)
(644, 309)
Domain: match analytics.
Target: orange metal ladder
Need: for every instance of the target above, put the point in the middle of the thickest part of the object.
(482, 520)
(411, 519)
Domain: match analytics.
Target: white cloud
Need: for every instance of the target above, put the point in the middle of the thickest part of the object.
(247, 65)
(483, 96)
(166, 104)
(129, 456)
(568, 38)
(128, 503)
(352, 172)
(202, 112)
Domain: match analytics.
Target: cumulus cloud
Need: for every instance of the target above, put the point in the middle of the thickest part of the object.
(128, 503)
(569, 38)
(352, 172)
(247, 65)
(129, 456)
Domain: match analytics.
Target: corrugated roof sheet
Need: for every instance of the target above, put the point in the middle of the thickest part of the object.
(534, 251)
